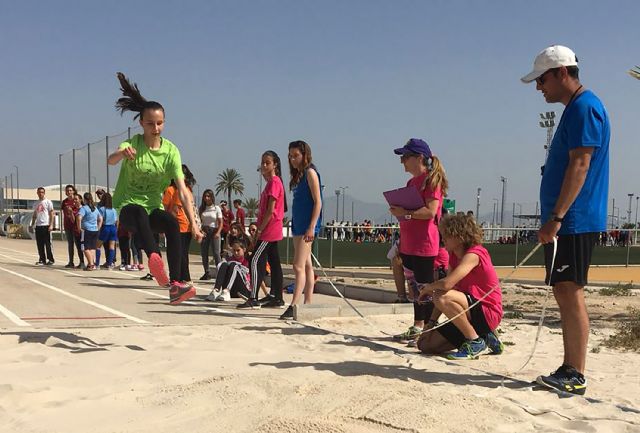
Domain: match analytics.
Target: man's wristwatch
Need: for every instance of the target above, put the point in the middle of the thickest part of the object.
(556, 218)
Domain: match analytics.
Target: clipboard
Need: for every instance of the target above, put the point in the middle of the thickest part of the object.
(407, 197)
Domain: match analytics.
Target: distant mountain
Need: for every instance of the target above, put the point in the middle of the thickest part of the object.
(378, 213)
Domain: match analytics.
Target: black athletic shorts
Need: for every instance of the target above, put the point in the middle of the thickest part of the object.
(453, 335)
(572, 258)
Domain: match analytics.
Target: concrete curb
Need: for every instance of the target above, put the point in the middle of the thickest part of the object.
(318, 311)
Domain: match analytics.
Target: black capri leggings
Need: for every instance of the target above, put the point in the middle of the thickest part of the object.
(423, 271)
(134, 218)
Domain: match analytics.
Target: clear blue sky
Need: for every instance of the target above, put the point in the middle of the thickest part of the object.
(353, 78)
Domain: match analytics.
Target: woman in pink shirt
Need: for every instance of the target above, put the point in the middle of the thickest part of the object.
(419, 238)
(471, 278)
(271, 209)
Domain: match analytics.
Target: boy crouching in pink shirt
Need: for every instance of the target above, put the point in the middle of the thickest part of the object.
(471, 277)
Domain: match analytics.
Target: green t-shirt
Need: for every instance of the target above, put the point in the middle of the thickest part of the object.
(143, 180)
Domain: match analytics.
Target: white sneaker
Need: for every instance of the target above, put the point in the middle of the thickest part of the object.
(123, 267)
(224, 296)
(213, 296)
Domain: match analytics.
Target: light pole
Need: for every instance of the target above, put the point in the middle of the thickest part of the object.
(478, 205)
(629, 210)
(635, 226)
(13, 203)
(504, 197)
(343, 188)
(337, 203)
(548, 122)
(495, 211)
(18, 187)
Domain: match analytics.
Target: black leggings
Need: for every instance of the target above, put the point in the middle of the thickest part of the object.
(73, 241)
(185, 242)
(424, 273)
(266, 250)
(134, 218)
(125, 250)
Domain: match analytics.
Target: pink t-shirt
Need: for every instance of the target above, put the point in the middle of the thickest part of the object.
(442, 259)
(421, 237)
(273, 231)
(479, 281)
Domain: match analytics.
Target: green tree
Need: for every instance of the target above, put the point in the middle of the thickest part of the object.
(230, 181)
(251, 205)
(635, 72)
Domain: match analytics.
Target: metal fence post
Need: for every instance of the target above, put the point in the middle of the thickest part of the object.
(331, 248)
(517, 235)
(107, 161)
(628, 246)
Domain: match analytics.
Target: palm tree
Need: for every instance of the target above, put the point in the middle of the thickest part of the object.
(230, 181)
(635, 72)
(251, 205)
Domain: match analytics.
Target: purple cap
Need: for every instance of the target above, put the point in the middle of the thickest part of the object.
(414, 145)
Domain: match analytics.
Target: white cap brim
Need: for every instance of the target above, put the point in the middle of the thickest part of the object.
(531, 76)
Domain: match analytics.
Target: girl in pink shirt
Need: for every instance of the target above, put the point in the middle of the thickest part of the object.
(471, 278)
(419, 238)
(271, 209)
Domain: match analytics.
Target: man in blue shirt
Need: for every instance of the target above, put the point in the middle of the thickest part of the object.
(573, 196)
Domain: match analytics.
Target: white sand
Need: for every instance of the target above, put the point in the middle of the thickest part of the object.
(269, 376)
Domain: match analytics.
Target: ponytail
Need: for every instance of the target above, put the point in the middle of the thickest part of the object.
(132, 100)
(88, 198)
(437, 176)
(278, 164)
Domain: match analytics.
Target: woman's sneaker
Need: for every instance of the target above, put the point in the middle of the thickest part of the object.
(123, 267)
(213, 296)
(470, 349)
(224, 296)
(206, 276)
(156, 268)
(249, 304)
(494, 344)
(179, 293)
(410, 334)
(288, 313)
(566, 379)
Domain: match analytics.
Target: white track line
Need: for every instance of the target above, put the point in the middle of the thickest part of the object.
(11, 316)
(76, 297)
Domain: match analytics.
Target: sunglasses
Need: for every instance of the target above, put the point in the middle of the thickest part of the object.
(408, 155)
(540, 80)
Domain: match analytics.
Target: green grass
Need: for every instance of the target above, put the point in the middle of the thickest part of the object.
(619, 290)
(627, 335)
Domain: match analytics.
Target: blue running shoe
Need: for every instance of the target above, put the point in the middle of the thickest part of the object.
(470, 349)
(565, 379)
(494, 344)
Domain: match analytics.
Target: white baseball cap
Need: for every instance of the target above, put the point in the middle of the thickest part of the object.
(549, 58)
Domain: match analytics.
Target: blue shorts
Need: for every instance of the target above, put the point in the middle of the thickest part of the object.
(299, 227)
(108, 233)
(89, 240)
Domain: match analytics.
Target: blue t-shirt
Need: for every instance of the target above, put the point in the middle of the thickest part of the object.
(109, 216)
(584, 123)
(89, 219)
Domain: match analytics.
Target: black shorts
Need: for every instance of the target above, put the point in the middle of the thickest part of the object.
(572, 258)
(422, 267)
(89, 240)
(453, 335)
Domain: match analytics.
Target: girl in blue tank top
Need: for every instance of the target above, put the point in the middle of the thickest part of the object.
(306, 216)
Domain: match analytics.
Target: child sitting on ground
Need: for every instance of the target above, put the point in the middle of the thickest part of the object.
(471, 277)
(232, 278)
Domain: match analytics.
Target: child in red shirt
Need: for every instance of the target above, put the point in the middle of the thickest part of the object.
(471, 278)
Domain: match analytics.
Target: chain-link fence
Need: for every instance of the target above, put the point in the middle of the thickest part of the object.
(86, 167)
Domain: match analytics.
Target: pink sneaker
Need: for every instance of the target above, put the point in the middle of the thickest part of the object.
(180, 292)
(140, 267)
(156, 267)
